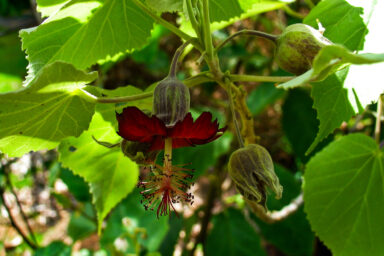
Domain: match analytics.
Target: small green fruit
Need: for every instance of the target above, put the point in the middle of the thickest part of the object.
(297, 46)
(171, 101)
(251, 169)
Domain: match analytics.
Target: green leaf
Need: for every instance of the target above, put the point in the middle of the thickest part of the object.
(13, 59)
(56, 248)
(220, 10)
(330, 59)
(344, 196)
(232, 235)
(165, 5)
(76, 185)
(111, 175)
(296, 226)
(79, 226)
(50, 109)
(300, 124)
(262, 96)
(343, 22)
(332, 105)
(85, 32)
(137, 218)
(9, 83)
(48, 7)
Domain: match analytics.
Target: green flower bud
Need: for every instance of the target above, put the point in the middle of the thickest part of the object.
(297, 46)
(251, 169)
(138, 152)
(171, 101)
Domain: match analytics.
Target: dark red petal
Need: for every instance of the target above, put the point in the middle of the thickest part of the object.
(134, 125)
(189, 133)
(157, 143)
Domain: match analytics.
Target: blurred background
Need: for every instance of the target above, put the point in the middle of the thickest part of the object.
(54, 206)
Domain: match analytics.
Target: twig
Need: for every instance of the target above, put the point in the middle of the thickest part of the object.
(6, 171)
(378, 118)
(13, 221)
(275, 216)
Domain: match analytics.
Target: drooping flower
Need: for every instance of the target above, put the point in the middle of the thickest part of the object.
(168, 184)
(171, 126)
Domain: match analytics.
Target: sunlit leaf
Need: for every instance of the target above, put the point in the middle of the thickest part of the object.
(342, 22)
(332, 105)
(344, 196)
(85, 32)
(111, 175)
(52, 108)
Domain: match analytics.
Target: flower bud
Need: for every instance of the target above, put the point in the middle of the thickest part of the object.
(251, 169)
(297, 46)
(138, 152)
(171, 101)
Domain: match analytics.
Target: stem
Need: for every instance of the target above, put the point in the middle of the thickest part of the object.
(207, 30)
(378, 118)
(165, 23)
(175, 59)
(247, 32)
(168, 155)
(310, 3)
(275, 216)
(293, 13)
(190, 82)
(192, 18)
(250, 78)
(231, 105)
(13, 221)
(168, 148)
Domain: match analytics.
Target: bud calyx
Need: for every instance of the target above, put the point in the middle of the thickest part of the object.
(171, 100)
(251, 169)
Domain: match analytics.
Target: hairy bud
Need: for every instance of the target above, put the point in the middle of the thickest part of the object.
(171, 101)
(251, 168)
(138, 152)
(297, 46)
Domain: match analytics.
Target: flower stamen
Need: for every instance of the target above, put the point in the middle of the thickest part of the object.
(166, 185)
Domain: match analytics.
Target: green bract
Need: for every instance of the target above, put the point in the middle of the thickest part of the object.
(251, 168)
(297, 46)
(138, 152)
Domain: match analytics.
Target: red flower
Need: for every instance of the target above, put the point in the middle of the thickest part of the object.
(167, 184)
(134, 125)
